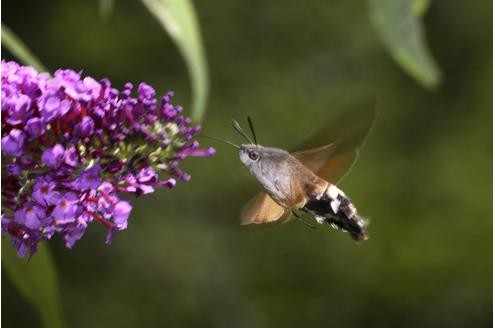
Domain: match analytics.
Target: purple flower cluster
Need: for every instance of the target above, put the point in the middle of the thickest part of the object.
(71, 145)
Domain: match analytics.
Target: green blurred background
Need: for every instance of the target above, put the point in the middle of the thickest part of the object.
(424, 176)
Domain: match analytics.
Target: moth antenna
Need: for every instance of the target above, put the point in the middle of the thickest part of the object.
(238, 128)
(221, 140)
(251, 127)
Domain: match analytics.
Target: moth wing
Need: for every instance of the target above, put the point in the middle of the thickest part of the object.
(327, 164)
(262, 209)
(346, 134)
(316, 158)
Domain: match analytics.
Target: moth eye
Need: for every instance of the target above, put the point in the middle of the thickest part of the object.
(253, 155)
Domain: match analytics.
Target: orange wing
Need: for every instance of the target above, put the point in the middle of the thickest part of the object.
(262, 209)
(346, 134)
(325, 163)
(316, 158)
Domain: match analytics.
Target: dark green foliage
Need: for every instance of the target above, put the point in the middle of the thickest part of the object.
(424, 176)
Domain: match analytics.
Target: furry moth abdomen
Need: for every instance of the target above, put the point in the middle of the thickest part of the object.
(336, 209)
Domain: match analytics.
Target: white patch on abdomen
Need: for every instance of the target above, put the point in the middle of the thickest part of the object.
(333, 192)
(335, 205)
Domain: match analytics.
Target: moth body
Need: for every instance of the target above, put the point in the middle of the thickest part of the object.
(300, 180)
(293, 186)
(270, 167)
(336, 209)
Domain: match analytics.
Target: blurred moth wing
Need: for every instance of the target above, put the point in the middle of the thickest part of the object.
(326, 163)
(330, 162)
(345, 135)
(262, 209)
(316, 159)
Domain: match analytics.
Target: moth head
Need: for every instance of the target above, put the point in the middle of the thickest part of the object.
(256, 157)
(250, 154)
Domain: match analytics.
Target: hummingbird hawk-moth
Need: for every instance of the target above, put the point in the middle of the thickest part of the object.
(305, 180)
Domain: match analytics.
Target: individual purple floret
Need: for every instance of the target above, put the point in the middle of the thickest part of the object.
(71, 145)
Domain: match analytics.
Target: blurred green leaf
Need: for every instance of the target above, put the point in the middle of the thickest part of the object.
(19, 49)
(106, 8)
(398, 24)
(179, 20)
(419, 7)
(36, 279)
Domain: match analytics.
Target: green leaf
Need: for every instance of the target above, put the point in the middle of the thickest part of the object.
(399, 25)
(419, 7)
(36, 279)
(106, 9)
(19, 49)
(179, 19)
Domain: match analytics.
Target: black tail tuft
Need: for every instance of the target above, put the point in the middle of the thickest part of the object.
(355, 226)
